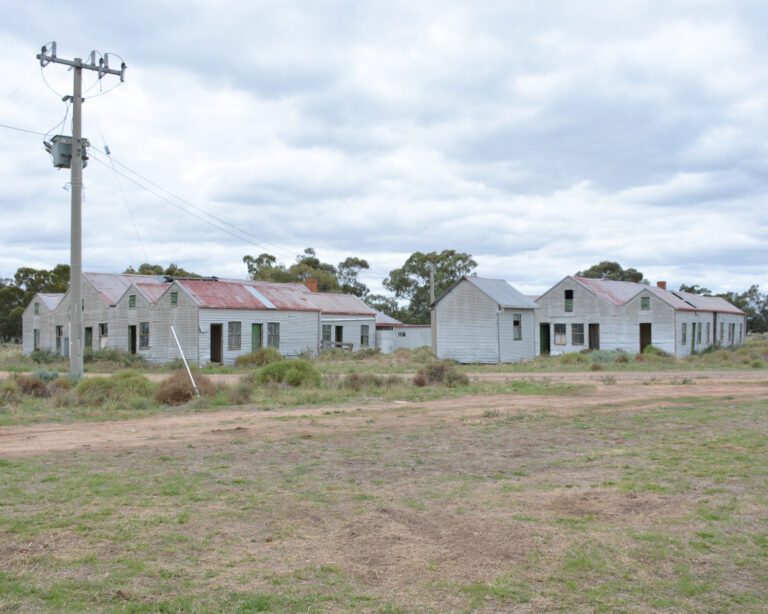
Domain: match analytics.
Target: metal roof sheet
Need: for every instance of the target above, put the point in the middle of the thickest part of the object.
(112, 286)
(502, 293)
(382, 319)
(151, 291)
(710, 303)
(50, 300)
(620, 292)
(239, 294)
(340, 304)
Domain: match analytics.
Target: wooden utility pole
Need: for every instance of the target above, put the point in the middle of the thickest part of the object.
(46, 56)
(432, 315)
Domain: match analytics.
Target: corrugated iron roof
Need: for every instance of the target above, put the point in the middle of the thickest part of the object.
(50, 300)
(239, 294)
(710, 303)
(151, 291)
(620, 292)
(502, 293)
(382, 319)
(112, 286)
(340, 304)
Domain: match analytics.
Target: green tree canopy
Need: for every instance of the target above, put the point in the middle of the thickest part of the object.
(16, 294)
(608, 269)
(411, 281)
(341, 278)
(172, 269)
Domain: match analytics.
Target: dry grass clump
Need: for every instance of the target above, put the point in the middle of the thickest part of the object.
(177, 389)
(441, 373)
(338, 354)
(293, 373)
(9, 392)
(573, 358)
(361, 381)
(653, 354)
(113, 358)
(259, 358)
(121, 388)
(32, 386)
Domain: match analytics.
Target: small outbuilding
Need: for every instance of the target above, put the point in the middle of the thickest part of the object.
(481, 320)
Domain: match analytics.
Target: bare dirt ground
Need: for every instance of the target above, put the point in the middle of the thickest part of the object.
(630, 390)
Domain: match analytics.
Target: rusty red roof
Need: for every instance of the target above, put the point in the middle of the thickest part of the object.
(383, 320)
(245, 294)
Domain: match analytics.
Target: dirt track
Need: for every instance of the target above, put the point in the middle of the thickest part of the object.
(630, 392)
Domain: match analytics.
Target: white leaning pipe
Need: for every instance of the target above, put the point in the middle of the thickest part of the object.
(184, 358)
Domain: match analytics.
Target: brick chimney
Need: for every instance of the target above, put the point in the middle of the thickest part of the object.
(311, 284)
(662, 284)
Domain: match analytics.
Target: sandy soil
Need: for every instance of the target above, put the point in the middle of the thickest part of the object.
(630, 390)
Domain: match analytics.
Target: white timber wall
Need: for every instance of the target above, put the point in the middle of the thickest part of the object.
(351, 328)
(184, 318)
(467, 326)
(513, 350)
(125, 316)
(299, 331)
(660, 315)
(412, 337)
(587, 309)
(42, 322)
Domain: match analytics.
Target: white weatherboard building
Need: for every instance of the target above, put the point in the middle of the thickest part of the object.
(481, 320)
(392, 334)
(215, 320)
(580, 313)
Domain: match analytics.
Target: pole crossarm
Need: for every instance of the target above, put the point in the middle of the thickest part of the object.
(102, 67)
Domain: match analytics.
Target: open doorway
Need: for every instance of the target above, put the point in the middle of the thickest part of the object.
(645, 336)
(132, 339)
(544, 344)
(217, 337)
(339, 335)
(594, 336)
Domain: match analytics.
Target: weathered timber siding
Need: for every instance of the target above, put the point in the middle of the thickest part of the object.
(351, 328)
(299, 331)
(184, 318)
(42, 322)
(521, 349)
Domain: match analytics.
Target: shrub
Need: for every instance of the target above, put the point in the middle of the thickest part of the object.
(443, 372)
(622, 357)
(120, 388)
(9, 392)
(59, 385)
(44, 357)
(291, 372)
(259, 358)
(596, 366)
(177, 389)
(573, 358)
(47, 376)
(32, 386)
(361, 381)
(114, 356)
(757, 364)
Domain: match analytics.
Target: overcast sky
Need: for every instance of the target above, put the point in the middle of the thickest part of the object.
(540, 137)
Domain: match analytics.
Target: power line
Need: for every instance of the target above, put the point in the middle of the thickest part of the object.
(22, 130)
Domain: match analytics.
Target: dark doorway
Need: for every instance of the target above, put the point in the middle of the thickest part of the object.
(339, 334)
(255, 337)
(693, 338)
(88, 337)
(645, 336)
(544, 339)
(594, 336)
(217, 337)
(132, 339)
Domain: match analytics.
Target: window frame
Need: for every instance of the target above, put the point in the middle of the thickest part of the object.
(273, 335)
(517, 327)
(174, 299)
(143, 335)
(131, 301)
(684, 333)
(37, 308)
(234, 335)
(645, 303)
(561, 335)
(698, 333)
(327, 333)
(577, 326)
(35, 338)
(365, 335)
(568, 301)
